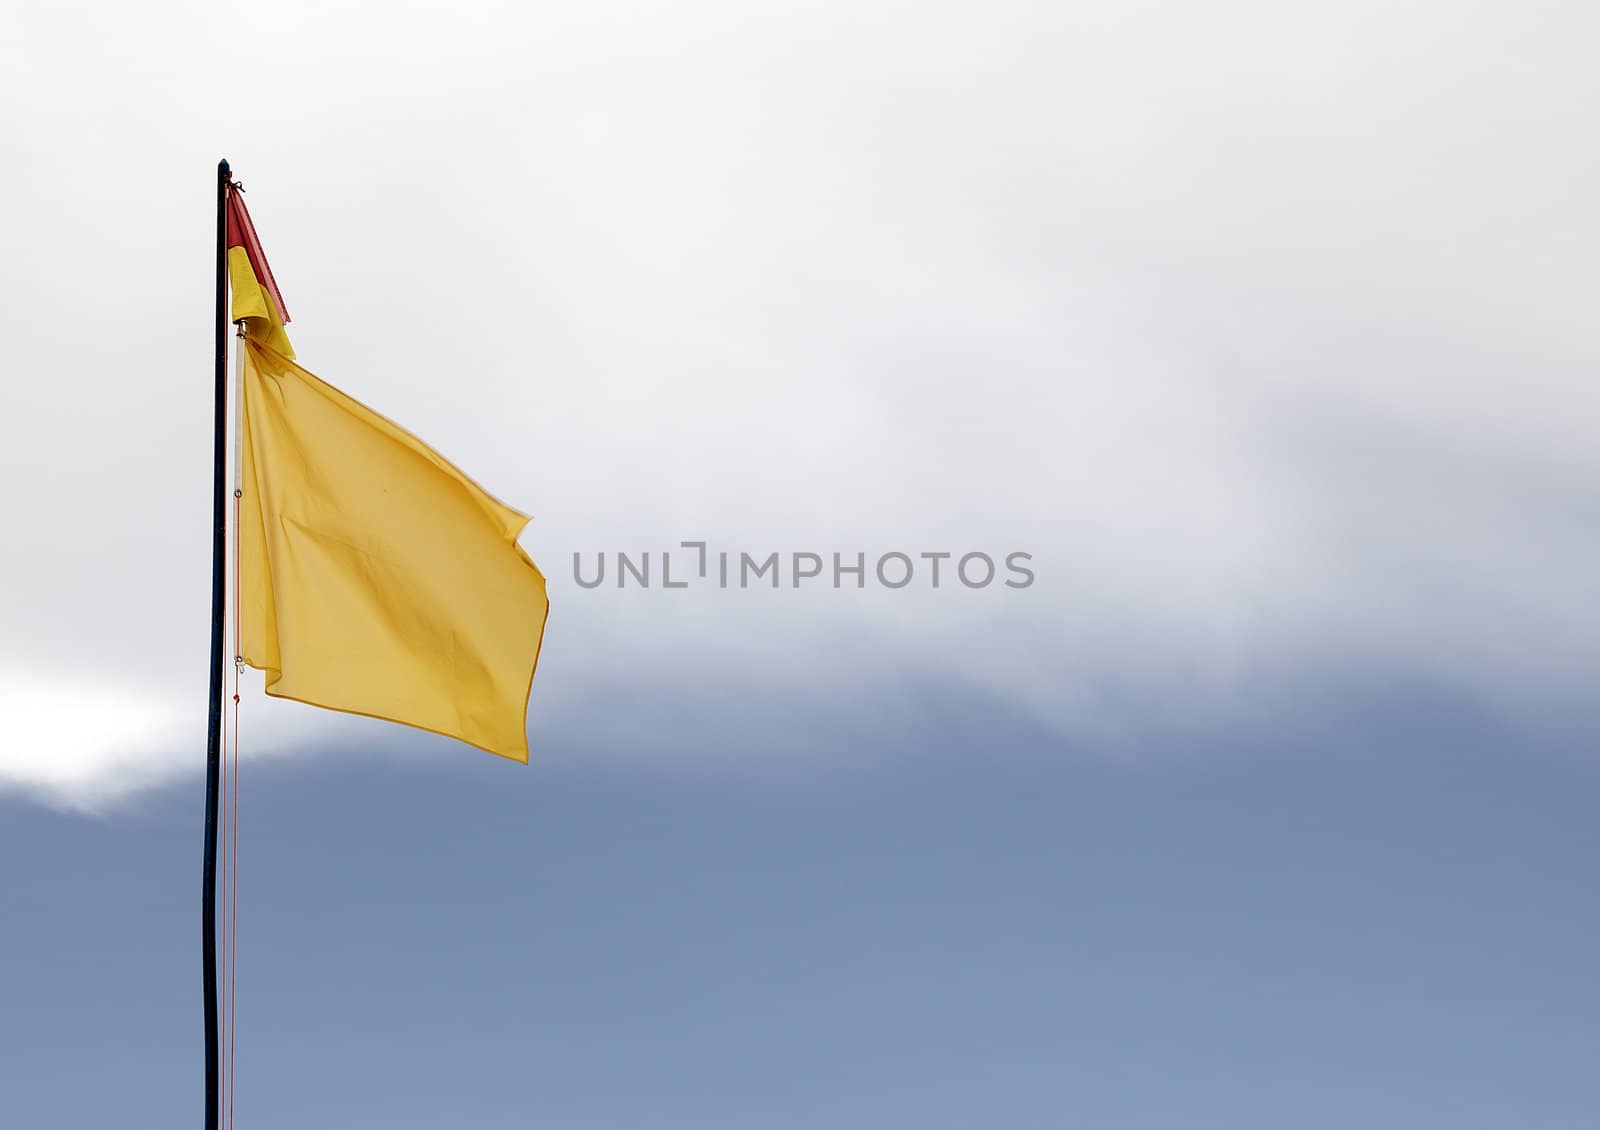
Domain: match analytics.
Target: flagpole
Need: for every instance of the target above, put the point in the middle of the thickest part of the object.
(208, 881)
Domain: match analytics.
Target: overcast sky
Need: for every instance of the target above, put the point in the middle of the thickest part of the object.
(1263, 328)
(1266, 329)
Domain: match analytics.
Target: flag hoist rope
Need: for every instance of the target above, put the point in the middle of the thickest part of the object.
(219, 784)
(230, 762)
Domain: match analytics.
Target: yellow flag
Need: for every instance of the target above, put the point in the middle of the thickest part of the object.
(375, 577)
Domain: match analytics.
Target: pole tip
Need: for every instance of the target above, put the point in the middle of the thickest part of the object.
(222, 169)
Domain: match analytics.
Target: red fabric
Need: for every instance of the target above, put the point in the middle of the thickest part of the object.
(242, 233)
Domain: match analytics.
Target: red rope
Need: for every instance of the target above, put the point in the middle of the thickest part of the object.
(233, 815)
(222, 956)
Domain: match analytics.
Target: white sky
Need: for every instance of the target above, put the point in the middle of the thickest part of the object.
(1266, 328)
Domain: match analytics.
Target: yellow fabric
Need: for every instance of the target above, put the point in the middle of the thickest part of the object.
(375, 577)
(254, 306)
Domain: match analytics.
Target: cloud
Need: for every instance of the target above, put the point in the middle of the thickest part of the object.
(83, 743)
(1262, 329)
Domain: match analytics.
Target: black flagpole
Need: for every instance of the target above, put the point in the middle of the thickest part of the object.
(208, 882)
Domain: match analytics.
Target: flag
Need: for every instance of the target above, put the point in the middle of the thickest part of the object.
(256, 299)
(375, 577)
